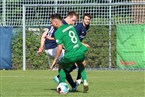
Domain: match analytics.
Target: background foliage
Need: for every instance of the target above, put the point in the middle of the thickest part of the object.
(96, 57)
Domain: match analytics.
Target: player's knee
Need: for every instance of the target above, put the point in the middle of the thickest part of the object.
(84, 63)
(81, 68)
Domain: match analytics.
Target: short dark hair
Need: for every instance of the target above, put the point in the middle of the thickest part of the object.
(56, 16)
(87, 14)
(72, 13)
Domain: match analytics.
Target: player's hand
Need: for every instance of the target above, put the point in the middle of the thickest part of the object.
(39, 50)
(86, 45)
(49, 37)
(53, 65)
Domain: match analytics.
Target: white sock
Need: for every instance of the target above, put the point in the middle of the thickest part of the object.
(79, 81)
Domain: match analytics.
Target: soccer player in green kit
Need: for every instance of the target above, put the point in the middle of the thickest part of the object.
(67, 38)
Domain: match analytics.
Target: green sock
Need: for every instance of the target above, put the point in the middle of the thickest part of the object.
(83, 74)
(62, 76)
(82, 71)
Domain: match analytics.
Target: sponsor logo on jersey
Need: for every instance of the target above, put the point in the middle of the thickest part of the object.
(75, 46)
(67, 29)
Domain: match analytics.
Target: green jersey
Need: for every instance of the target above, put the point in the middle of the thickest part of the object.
(67, 36)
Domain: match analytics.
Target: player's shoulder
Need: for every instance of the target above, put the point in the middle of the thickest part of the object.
(79, 24)
(49, 27)
(65, 26)
(64, 22)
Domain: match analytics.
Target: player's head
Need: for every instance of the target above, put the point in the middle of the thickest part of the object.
(71, 17)
(56, 20)
(86, 19)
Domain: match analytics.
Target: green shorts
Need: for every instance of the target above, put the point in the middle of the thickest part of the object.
(67, 62)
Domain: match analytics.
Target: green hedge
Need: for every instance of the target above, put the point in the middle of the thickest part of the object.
(96, 57)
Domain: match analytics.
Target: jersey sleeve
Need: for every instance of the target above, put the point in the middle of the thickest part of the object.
(58, 36)
(51, 31)
(49, 27)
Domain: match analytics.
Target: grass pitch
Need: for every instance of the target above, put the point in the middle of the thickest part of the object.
(39, 83)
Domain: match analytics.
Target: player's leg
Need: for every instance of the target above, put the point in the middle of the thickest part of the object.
(52, 54)
(56, 78)
(82, 71)
(79, 59)
(62, 75)
(79, 75)
(72, 68)
(68, 76)
(66, 66)
(70, 80)
(78, 79)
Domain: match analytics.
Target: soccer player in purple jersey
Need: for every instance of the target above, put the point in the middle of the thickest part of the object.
(82, 29)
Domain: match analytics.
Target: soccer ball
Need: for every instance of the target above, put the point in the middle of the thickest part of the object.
(62, 88)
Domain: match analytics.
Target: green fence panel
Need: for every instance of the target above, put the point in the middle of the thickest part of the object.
(130, 46)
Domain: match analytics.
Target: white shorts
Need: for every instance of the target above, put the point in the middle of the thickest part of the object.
(52, 52)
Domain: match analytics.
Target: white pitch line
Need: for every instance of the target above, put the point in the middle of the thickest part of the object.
(13, 76)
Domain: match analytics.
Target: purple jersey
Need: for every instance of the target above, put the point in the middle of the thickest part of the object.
(81, 30)
(50, 44)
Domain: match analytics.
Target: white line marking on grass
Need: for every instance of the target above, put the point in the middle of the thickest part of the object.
(13, 76)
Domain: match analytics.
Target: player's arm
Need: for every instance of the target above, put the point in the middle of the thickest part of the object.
(58, 37)
(85, 44)
(58, 52)
(43, 37)
(50, 38)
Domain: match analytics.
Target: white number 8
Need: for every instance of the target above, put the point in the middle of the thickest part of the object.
(73, 37)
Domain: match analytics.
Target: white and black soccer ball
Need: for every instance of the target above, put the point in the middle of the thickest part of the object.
(63, 88)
